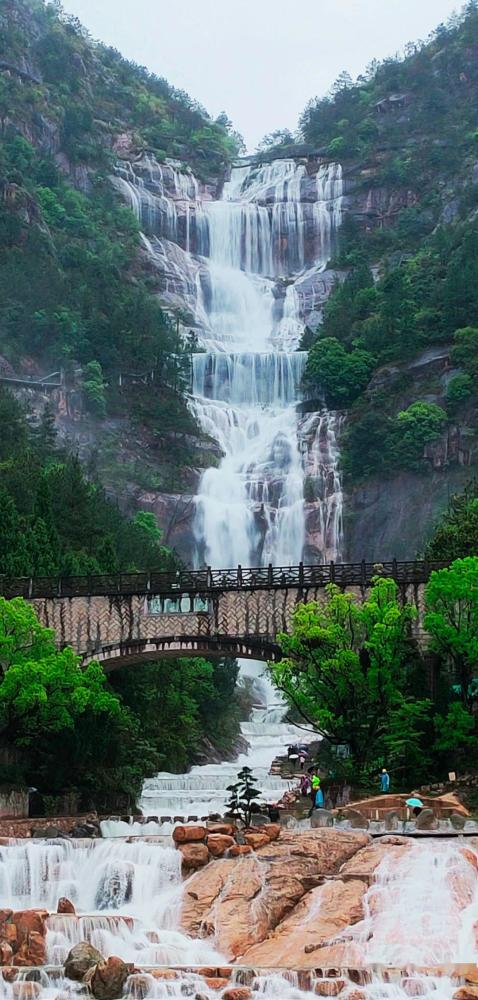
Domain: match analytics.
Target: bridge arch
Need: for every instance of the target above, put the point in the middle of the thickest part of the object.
(137, 651)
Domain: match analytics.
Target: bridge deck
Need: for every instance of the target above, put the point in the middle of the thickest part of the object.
(208, 581)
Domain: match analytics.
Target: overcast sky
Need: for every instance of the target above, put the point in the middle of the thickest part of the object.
(259, 60)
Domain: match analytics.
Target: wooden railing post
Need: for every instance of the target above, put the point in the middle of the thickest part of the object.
(395, 570)
(239, 575)
(270, 574)
(301, 574)
(332, 572)
(209, 578)
(363, 574)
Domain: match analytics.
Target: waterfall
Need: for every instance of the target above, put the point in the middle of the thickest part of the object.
(250, 510)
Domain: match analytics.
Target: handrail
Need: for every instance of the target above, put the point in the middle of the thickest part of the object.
(211, 581)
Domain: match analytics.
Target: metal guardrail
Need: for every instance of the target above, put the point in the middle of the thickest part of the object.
(210, 581)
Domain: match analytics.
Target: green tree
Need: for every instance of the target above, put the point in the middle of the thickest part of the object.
(417, 426)
(451, 619)
(94, 388)
(346, 670)
(456, 535)
(340, 375)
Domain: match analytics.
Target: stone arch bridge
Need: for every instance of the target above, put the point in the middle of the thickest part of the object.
(134, 618)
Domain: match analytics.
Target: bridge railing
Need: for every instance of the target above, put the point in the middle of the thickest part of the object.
(208, 581)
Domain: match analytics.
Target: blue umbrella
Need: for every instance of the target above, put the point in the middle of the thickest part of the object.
(415, 803)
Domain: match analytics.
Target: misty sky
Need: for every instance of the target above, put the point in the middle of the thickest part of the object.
(259, 60)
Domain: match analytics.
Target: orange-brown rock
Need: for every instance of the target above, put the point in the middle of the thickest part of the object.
(242, 901)
(239, 850)
(218, 844)
(216, 982)
(366, 861)
(26, 990)
(470, 856)
(65, 906)
(319, 916)
(469, 973)
(272, 830)
(5, 916)
(189, 834)
(329, 987)
(256, 840)
(165, 974)
(9, 974)
(228, 829)
(32, 951)
(108, 979)
(6, 953)
(194, 855)
(9, 934)
(466, 993)
(225, 972)
(237, 993)
(27, 921)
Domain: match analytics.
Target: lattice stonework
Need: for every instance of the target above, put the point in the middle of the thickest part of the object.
(122, 627)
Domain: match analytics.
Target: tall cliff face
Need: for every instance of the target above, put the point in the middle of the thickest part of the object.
(222, 272)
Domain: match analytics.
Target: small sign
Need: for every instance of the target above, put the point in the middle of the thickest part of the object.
(452, 776)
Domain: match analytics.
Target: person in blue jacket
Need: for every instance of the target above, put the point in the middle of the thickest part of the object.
(385, 780)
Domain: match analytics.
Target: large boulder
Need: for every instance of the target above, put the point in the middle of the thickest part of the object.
(81, 958)
(457, 821)
(218, 844)
(356, 819)
(194, 856)
(65, 906)
(426, 820)
(321, 818)
(189, 834)
(32, 951)
(108, 979)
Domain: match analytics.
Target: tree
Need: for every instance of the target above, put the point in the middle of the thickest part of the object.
(339, 375)
(419, 425)
(451, 619)
(347, 671)
(456, 535)
(244, 800)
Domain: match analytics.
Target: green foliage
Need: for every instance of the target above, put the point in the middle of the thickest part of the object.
(465, 351)
(451, 601)
(459, 390)
(456, 536)
(338, 375)
(244, 799)
(94, 388)
(53, 521)
(419, 425)
(347, 669)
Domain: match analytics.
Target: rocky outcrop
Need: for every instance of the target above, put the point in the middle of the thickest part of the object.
(242, 901)
(23, 937)
(108, 978)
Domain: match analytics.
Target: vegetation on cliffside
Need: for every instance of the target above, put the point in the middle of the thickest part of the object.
(406, 133)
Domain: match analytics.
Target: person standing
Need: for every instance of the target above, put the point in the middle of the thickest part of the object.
(385, 780)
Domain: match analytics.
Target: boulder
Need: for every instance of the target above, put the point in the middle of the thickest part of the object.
(329, 987)
(81, 958)
(5, 916)
(216, 982)
(256, 840)
(194, 856)
(227, 829)
(237, 993)
(466, 993)
(6, 953)
(189, 834)
(32, 951)
(9, 934)
(457, 821)
(239, 849)
(355, 818)
(272, 830)
(65, 906)
(109, 978)
(164, 974)
(392, 820)
(426, 820)
(218, 844)
(46, 833)
(321, 818)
